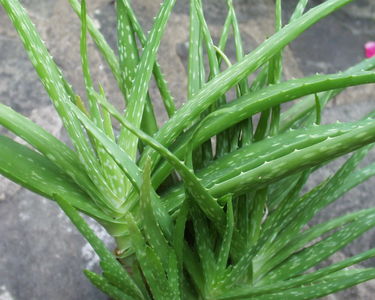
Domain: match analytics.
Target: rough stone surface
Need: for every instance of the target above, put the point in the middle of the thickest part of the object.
(42, 255)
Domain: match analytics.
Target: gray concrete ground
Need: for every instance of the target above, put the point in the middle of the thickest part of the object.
(41, 254)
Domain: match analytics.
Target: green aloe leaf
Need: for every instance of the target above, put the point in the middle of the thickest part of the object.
(356, 178)
(56, 151)
(288, 187)
(316, 253)
(253, 103)
(299, 159)
(94, 109)
(313, 202)
(204, 199)
(234, 74)
(299, 240)
(137, 98)
(113, 271)
(276, 68)
(195, 53)
(222, 259)
(128, 52)
(174, 276)
(260, 80)
(179, 235)
(102, 284)
(203, 243)
(160, 286)
(55, 85)
(153, 233)
(150, 263)
(110, 170)
(100, 42)
(307, 104)
(290, 219)
(258, 205)
(194, 268)
(327, 285)
(298, 11)
(159, 76)
(287, 153)
(107, 121)
(38, 174)
(120, 156)
(303, 280)
(129, 59)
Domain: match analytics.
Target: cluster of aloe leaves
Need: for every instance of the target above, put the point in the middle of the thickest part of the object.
(211, 205)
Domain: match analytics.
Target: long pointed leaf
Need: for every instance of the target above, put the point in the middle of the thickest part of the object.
(230, 77)
(301, 148)
(113, 271)
(150, 263)
(55, 85)
(207, 203)
(38, 174)
(310, 256)
(102, 284)
(120, 156)
(328, 285)
(129, 59)
(151, 227)
(139, 90)
(56, 151)
(307, 104)
(305, 279)
(253, 103)
(159, 76)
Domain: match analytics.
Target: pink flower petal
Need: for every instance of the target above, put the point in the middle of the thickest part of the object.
(370, 49)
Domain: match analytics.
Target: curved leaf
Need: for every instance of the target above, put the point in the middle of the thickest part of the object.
(38, 174)
(234, 74)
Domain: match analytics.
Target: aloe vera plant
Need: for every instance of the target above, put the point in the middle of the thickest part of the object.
(212, 204)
